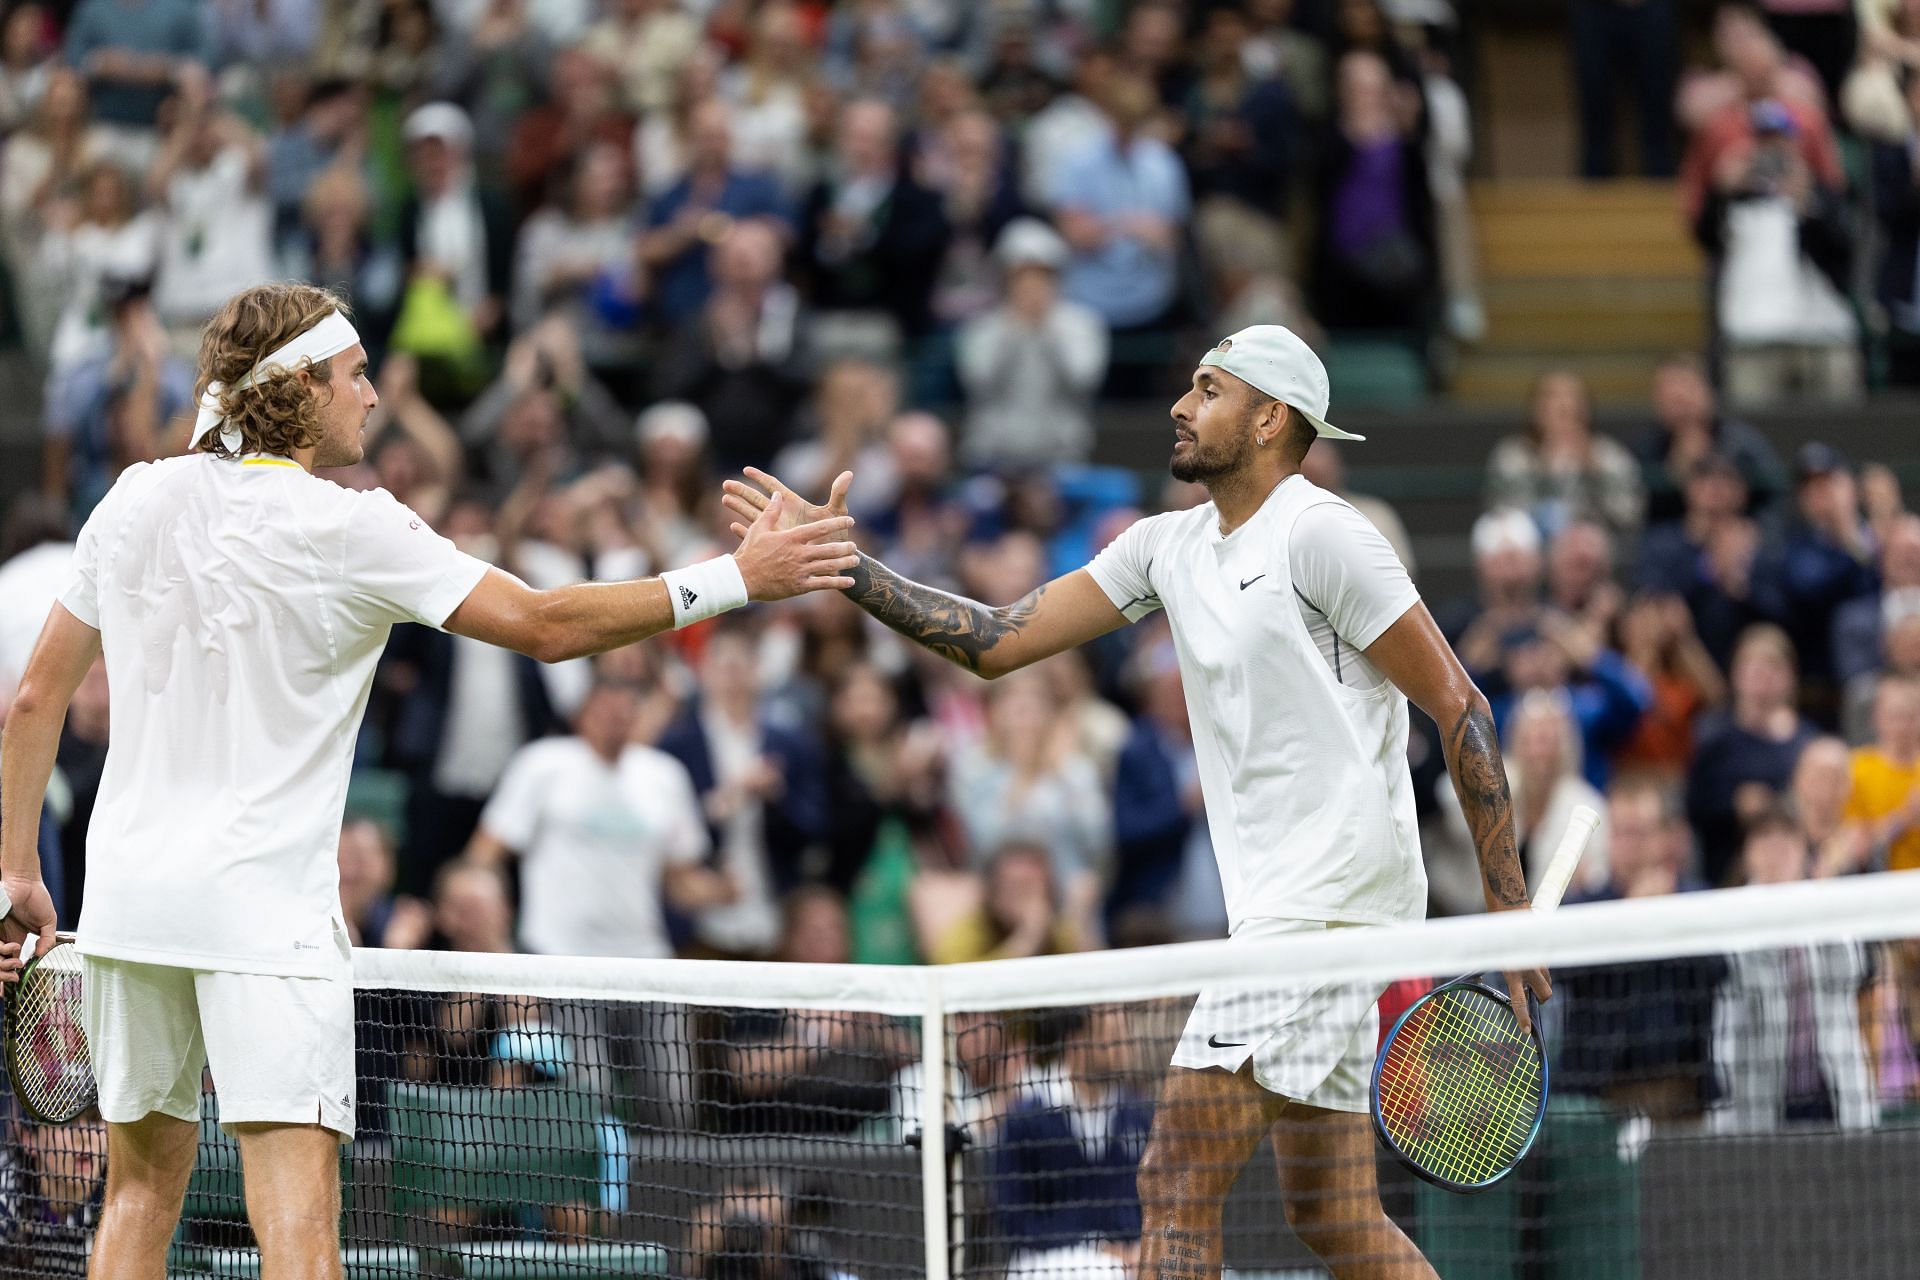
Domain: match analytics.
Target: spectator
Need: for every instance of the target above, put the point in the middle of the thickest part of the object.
(27, 63)
(462, 710)
(1826, 558)
(1242, 130)
(1072, 124)
(1325, 466)
(1027, 779)
(1787, 1031)
(675, 497)
(455, 239)
(762, 788)
(1605, 696)
(335, 243)
(110, 410)
(993, 1071)
(50, 1187)
(1031, 365)
(871, 237)
(209, 182)
(1885, 787)
(744, 360)
(546, 410)
(1507, 570)
(1153, 46)
(605, 830)
(1606, 36)
(1280, 49)
(1752, 65)
(36, 556)
(1121, 202)
(1580, 576)
(575, 258)
(1860, 625)
(855, 402)
(1157, 811)
(1376, 262)
(581, 114)
(1895, 178)
(1823, 32)
(1560, 469)
(1673, 554)
(366, 881)
(689, 218)
(131, 52)
(1817, 800)
(1746, 754)
(644, 42)
(1688, 428)
(103, 236)
(882, 776)
(754, 1232)
(1544, 761)
(328, 133)
(767, 91)
(1658, 639)
(1011, 910)
(1640, 1034)
(1062, 1174)
(44, 155)
(969, 166)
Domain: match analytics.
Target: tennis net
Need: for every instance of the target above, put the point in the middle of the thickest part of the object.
(1735, 1092)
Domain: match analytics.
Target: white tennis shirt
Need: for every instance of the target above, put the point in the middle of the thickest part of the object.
(1301, 743)
(241, 605)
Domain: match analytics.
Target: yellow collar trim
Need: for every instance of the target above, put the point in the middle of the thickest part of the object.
(269, 462)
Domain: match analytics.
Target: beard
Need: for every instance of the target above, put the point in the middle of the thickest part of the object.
(1202, 463)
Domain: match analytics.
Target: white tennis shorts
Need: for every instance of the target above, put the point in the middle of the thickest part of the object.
(281, 1049)
(1310, 1042)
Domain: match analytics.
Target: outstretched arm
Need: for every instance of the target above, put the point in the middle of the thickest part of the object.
(1414, 655)
(986, 640)
(1051, 618)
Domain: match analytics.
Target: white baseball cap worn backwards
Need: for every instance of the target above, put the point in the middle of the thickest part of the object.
(1272, 359)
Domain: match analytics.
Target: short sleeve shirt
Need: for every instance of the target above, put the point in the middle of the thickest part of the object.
(242, 605)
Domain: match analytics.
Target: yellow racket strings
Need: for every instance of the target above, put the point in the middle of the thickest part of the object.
(1460, 1089)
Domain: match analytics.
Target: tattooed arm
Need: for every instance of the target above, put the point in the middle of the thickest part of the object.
(1414, 655)
(1063, 613)
(986, 640)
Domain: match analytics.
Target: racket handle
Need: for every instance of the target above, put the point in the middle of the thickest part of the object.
(1553, 885)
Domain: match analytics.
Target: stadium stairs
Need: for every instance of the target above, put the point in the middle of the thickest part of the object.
(1601, 278)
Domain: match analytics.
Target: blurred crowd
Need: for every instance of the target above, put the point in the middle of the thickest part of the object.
(606, 253)
(1796, 141)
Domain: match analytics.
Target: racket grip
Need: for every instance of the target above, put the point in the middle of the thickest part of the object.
(1553, 885)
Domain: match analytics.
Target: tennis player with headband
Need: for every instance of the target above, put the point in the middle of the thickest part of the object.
(1300, 639)
(241, 603)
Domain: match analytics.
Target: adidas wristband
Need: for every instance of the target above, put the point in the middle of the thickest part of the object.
(700, 591)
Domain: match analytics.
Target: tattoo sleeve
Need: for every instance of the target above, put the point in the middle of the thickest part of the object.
(1480, 780)
(961, 631)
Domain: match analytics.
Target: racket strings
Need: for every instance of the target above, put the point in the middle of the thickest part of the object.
(46, 1042)
(1460, 1087)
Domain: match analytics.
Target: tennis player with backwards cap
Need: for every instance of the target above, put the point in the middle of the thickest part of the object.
(242, 602)
(1300, 640)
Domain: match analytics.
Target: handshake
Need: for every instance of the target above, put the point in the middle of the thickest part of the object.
(789, 546)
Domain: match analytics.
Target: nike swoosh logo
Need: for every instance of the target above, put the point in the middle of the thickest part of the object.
(1250, 581)
(1215, 1042)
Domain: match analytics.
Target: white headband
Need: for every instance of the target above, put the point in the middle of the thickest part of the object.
(333, 334)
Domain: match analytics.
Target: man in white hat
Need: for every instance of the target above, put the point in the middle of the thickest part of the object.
(1300, 640)
(241, 603)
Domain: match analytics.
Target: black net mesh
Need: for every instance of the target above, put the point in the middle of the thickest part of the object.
(1750, 1116)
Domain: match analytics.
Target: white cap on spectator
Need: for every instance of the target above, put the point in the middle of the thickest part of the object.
(671, 420)
(1275, 360)
(1505, 529)
(1029, 242)
(440, 120)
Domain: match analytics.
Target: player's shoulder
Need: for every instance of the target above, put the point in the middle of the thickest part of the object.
(1170, 526)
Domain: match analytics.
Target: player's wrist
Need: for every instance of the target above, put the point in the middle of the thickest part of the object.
(705, 590)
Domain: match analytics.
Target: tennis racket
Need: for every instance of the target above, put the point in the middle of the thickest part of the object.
(1459, 1090)
(44, 1041)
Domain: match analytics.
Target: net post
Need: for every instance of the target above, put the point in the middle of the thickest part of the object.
(933, 1128)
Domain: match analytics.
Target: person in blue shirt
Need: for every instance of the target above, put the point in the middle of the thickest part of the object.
(1825, 559)
(1062, 1173)
(1604, 692)
(694, 214)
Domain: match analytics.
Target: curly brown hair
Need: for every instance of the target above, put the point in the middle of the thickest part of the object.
(276, 414)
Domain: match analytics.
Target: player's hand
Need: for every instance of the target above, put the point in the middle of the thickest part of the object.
(1519, 983)
(748, 501)
(779, 559)
(32, 913)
